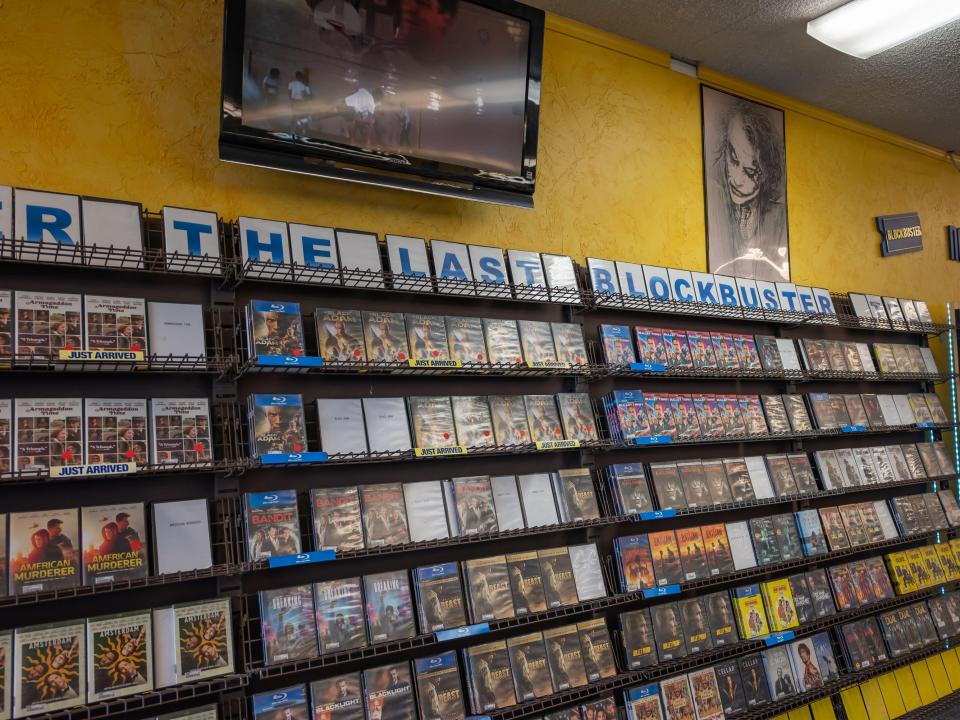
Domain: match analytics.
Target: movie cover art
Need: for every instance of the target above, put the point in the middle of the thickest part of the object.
(336, 518)
(677, 699)
(440, 597)
(685, 412)
(384, 514)
(283, 704)
(559, 584)
(730, 686)
(528, 660)
(708, 416)
(693, 556)
(465, 340)
(536, 340)
(719, 559)
(755, 688)
(576, 416)
(781, 475)
(389, 692)
(288, 624)
(765, 540)
(729, 480)
(6, 679)
(730, 415)
(726, 351)
(668, 485)
(389, 606)
(576, 495)
(616, 345)
(116, 431)
(568, 341)
(438, 687)
(340, 335)
(666, 557)
(638, 640)
(779, 673)
(695, 488)
(643, 703)
(340, 615)
(564, 657)
(660, 415)
(337, 698)
(272, 524)
(384, 336)
(678, 349)
(503, 341)
(49, 668)
(47, 323)
(751, 615)
(426, 337)
(701, 350)
(49, 434)
(432, 421)
(776, 414)
(488, 587)
(119, 656)
(543, 418)
(181, 431)
(696, 631)
(509, 416)
(787, 537)
(781, 609)
(472, 421)
(636, 563)
(43, 551)
(115, 323)
(6, 326)
(6, 422)
(651, 347)
(490, 677)
(204, 640)
(720, 616)
(596, 649)
(747, 352)
(273, 328)
(632, 491)
(752, 412)
(526, 581)
(114, 543)
(474, 504)
(706, 694)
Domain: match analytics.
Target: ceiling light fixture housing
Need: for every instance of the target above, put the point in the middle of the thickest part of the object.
(863, 28)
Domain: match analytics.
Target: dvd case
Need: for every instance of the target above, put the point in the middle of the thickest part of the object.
(336, 518)
(426, 337)
(388, 691)
(288, 624)
(528, 662)
(113, 547)
(274, 328)
(384, 514)
(559, 583)
(46, 324)
(526, 582)
(203, 640)
(338, 698)
(488, 589)
(439, 597)
(119, 655)
(180, 431)
(503, 341)
(438, 687)
(272, 524)
(472, 421)
(465, 341)
(277, 424)
(340, 335)
(509, 416)
(432, 421)
(43, 551)
(49, 434)
(49, 668)
(384, 336)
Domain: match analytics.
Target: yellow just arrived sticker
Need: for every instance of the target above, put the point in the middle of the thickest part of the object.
(551, 364)
(119, 468)
(103, 355)
(557, 444)
(428, 363)
(440, 451)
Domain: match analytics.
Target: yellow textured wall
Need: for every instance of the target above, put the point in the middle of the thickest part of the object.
(120, 99)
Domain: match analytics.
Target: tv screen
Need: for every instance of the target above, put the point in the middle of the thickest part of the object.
(443, 89)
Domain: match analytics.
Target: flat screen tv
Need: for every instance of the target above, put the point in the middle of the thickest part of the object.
(440, 96)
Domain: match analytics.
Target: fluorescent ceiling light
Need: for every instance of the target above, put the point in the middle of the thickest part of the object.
(863, 28)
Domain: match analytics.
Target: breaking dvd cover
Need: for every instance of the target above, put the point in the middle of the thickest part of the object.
(340, 335)
(119, 655)
(114, 546)
(340, 615)
(273, 328)
(288, 624)
(389, 606)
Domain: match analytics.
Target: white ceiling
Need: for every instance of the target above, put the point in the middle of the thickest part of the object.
(913, 89)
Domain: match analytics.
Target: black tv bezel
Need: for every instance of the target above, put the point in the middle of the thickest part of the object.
(243, 144)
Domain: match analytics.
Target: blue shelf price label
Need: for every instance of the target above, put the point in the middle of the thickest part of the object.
(653, 440)
(780, 638)
(293, 458)
(478, 717)
(926, 424)
(658, 514)
(853, 428)
(661, 591)
(462, 632)
(307, 558)
(301, 361)
(647, 367)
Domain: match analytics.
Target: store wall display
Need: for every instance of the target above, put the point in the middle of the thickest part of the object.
(745, 176)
